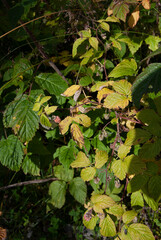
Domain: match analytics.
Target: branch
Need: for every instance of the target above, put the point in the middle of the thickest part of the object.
(28, 183)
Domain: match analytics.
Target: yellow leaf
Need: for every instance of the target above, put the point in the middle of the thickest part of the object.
(36, 106)
(115, 100)
(81, 161)
(99, 85)
(77, 135)
(101, 202)
(100, 158)
(88, 173)
(45, 99)
(64, 124)
(49, 110)
(93, 42)
(71, 91)
(146, 4)
(103, 93)
(123, 151)
(133, 19)
(119, 168)
(122, 87)
(82, 119)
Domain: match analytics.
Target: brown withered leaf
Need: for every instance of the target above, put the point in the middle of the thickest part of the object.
(146, 4)
(64, 124)
(133, 19)
(77, 135)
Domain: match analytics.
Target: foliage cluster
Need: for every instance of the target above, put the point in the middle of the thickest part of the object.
(81, 107)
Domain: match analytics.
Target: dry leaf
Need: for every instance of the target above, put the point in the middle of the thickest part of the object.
(134, 18)
(146, 4)
(64, 125)
(77, 135)
(71, 91)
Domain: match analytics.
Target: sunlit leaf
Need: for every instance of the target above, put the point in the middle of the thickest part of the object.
(146, 4)
(93, 42)
(123, 151)
(122, 87)
(76, 44)
(140, 231)
(71, 91)
(116, 210)
(153, 42)
(100, 158)
(127, 67)
(134, 17)
(82, 119)
(87, 174)
(137, 136)
(105, 26)
(45, 121)
(48, 110)
(64, 124)
(77, 135)
(128, 216)
(119, 168)
(137, 199)
(116, 100)
(91, 223)
(107, 227)
(101, 202)
(81, 161)
(103, 93)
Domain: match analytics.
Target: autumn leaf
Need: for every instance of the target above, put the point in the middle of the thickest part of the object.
(64, 124)
(77, 135)
(103, 93)
(134, 17)
(81, 161)
(71, 91)
(146, 4)
(82, 119)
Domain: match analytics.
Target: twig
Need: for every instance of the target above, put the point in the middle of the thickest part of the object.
(28, 183)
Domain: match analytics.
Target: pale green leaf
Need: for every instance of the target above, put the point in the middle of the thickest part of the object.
(52, 82)
(11, 153)
(119, 168)
(116, 100)
(128, 216)
(107, 227)
(112, 19)
(116, 210)
(127, 67)
(44, 120)
(85, 33)
(57, 191)
(123, 151)
(45, 99)
(133, 44)
(93, 42)
(101, 202)
(115, 43)
(105, 26)
(153, 42)
(81, 161)
(140, 232)
(36, 107)
(48, 110)
(122, 87)
(62, 173)
(78, 189)
(31, 165)
(150, 200)
(137, 199)
(91, 223)
(88, 173)
(100, 158)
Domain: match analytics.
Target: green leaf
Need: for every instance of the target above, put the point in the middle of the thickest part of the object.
(137, 199)
(128, 216)
(20, 116)
(122, 87)
(85, 33)
(133, 44)
(22, 68)
(154, 187)
(121, 10)
(134, 164)
(57, 191)
(93, 42)
(116, 210)
(150, 150)
(85, 81)
(51, 82)
(137, 136)
(63, 173)
(127, 67)
(119, 168)
(140, 231)
(66, 156)
(88, 173)
(11, 153)
(78, 189)
(31, 165)
(91, 223)
(147, 81)
(81, 161)
(150, 201)
(148, 116)
(107, 227)
(137, 182)
(153, 42)
(100, 158)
